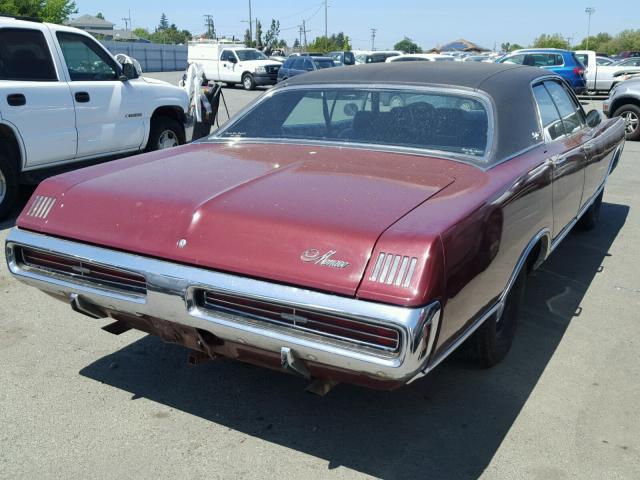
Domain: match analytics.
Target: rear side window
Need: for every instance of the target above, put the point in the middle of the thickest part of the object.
(516, 59)
(551, 122)
(298, 64)
(570, 112)
(308, 64)
(85, 60)
(288, 63)
(323, 64)
(25, 56)
(544, 60)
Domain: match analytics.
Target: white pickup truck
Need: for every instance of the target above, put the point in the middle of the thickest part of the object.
(602, 78)
(233, 64)
(65, 101)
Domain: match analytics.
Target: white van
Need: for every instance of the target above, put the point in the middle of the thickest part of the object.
(234, 63)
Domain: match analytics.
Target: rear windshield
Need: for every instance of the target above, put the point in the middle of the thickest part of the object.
(429, 119)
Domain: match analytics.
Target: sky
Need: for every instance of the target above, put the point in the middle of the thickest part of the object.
(428, 23)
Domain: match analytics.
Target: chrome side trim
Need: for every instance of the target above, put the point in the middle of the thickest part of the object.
(497, 306)
(170, 288)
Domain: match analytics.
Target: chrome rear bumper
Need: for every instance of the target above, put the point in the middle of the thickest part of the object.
(171, 296)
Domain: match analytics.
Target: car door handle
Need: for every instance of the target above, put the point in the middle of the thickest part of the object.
(82, 97)
(16, 99)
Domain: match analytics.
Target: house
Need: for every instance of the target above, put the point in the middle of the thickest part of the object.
(462, 45)
(103, 29)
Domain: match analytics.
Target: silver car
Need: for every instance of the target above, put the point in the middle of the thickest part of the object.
(624, 101)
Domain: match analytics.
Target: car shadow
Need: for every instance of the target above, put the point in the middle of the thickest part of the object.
(23, 197)
(447, 425)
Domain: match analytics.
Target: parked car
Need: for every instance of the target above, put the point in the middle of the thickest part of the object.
(601, 78)
(562, 62)
(630, 53)
(624, 101)
(375, 57)
(343, 57)
(417, 57)
(324, 234)
(65, 101)
(297, 65)
(233, 64)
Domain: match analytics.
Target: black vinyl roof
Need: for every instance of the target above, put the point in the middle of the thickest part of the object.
(516, 125)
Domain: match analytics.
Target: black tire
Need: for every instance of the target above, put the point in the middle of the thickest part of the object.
(248, 82)
(8, 184)
(165, 130)
(589, 219)
(491, 342)
(230, 85)
(631, 114)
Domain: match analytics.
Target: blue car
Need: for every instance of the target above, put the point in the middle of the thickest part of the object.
(562, 62)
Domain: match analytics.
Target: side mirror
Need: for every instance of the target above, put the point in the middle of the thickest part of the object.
(232, 60)
(129, 72)
(594, 118)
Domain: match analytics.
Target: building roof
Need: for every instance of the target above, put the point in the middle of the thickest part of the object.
(507, 85)
(88, 21)
(115, 34)
(461, 45)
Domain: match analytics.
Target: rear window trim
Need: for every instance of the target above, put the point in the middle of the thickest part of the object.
(483, 162)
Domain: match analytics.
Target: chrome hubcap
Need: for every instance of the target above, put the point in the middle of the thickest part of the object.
(168, 139)
(631, 121)
(247, 83)
(3, 186)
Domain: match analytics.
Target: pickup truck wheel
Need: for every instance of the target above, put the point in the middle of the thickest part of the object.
(589, 219)
(491, 342)
(248, 82)
(631, 115)
(166, 132)
(8, 185)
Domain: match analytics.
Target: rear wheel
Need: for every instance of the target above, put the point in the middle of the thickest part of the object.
(491, 342)
(8, 184)
(248, 82)
(589, 219)
(631, 115)
(166, 132)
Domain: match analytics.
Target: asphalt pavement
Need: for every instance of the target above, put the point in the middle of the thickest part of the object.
(77, 403)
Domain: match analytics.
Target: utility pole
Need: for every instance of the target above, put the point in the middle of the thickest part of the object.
(304, 32)
(208, 23)
(589, 11)
(326, 20)
(250, 20)
(300, 42)
(373, 39)
(127, 21)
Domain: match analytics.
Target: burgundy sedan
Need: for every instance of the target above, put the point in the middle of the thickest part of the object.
(351, 225)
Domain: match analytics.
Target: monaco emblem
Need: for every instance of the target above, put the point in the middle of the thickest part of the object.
(313, 255)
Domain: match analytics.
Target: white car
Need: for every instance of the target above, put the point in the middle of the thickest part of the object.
(602, 78)
(416, 57)
(66, 101)
(233, 64)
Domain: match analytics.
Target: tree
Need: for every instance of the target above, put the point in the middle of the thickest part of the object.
(100, 16)
(555, 40)
(258, 42)
(296, 43)
(142, 33)
(408, 46)
(335, 42)
(164, 23)
(510, 47)
(271, 38)
(248, 41)
(595, 42)
(53, 11)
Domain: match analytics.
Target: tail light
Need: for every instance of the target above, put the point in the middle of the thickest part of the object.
(578, 71)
